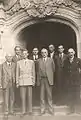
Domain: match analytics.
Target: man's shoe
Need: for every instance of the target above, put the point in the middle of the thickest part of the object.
(12, 113)
(23, 114)
(71, 112)
(6, 113)
(43, 112)
(30, 113)
(51, 112)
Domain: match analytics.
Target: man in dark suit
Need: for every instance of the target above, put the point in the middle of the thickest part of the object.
(7, 82)
(59, 63)
(72, 67)
(52, 51)
(45, 77)
(18, 55)
(35, 56)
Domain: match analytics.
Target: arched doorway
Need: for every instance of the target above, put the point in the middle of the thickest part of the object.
(45, 33)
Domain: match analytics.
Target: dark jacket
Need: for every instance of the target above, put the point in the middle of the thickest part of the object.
(59, 64)
(72, 72)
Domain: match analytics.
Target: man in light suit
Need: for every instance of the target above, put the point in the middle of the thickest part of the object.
(25, 78)
(7, 82)
(45, 77)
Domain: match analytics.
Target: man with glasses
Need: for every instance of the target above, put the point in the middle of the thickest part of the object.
(45, 77)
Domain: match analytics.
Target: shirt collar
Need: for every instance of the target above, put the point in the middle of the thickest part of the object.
(52, 53)
(45, 58)
(8, 63)
(61, 54)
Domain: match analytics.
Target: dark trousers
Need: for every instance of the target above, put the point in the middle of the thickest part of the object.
(45, 87)
(73, 94)
(26, 90)
(8, 94)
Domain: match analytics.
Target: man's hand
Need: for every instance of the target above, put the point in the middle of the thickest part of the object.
(33, 82)
(17, 85)
(0, 86)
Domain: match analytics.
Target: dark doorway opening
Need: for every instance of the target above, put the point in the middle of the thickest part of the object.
(42, 34)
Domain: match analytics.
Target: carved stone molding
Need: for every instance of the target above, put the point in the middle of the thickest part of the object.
(41, 8)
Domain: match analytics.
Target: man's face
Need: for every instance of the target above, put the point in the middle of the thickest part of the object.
(51, 48)
(9, 58)
(44, 53)
(18, 51)
(71, 54)
(25, 54)
(35, 51)
(60, 49)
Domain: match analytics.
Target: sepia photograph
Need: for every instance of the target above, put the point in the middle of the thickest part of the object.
(40, 59)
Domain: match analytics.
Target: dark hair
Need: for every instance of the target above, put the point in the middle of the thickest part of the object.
(17, 47)
(24, 50)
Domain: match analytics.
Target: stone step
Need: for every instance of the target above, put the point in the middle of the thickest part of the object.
(62, 110)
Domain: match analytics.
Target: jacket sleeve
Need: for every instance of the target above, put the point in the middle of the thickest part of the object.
(33, 73)
(0, 75)
(53, 65)
(79, 63)
(38, 73)
(14, 73)
(17, 73)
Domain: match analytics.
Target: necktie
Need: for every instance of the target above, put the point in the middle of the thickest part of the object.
(9, 64)
(25, 62)
(44, 59)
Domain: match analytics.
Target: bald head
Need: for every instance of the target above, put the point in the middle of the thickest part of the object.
(71, 52)
(51, 48)
(44, 52)
(8, 57)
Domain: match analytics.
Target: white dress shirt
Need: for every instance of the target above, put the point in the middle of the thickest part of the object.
(71, 59)
(61, 55)
(35, 57)
(9, 63)
(52, 54)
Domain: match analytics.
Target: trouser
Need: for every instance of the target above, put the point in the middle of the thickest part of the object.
(8, 94)
(48, 88)
(73, 96)
(23, 91)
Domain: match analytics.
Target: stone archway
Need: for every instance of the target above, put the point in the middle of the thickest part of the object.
(24, 13)
(64, 21)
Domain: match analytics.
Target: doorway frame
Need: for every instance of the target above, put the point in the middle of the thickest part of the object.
(26, 23)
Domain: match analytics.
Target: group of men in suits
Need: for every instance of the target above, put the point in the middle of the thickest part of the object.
(23, 71)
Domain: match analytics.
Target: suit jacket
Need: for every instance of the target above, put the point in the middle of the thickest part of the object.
(15, 58)
(25, 73)
(35, 61)
(31, 57)
(54, 56)
(50, 69)
(59, 63)
(72, 72)
(7, 74)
